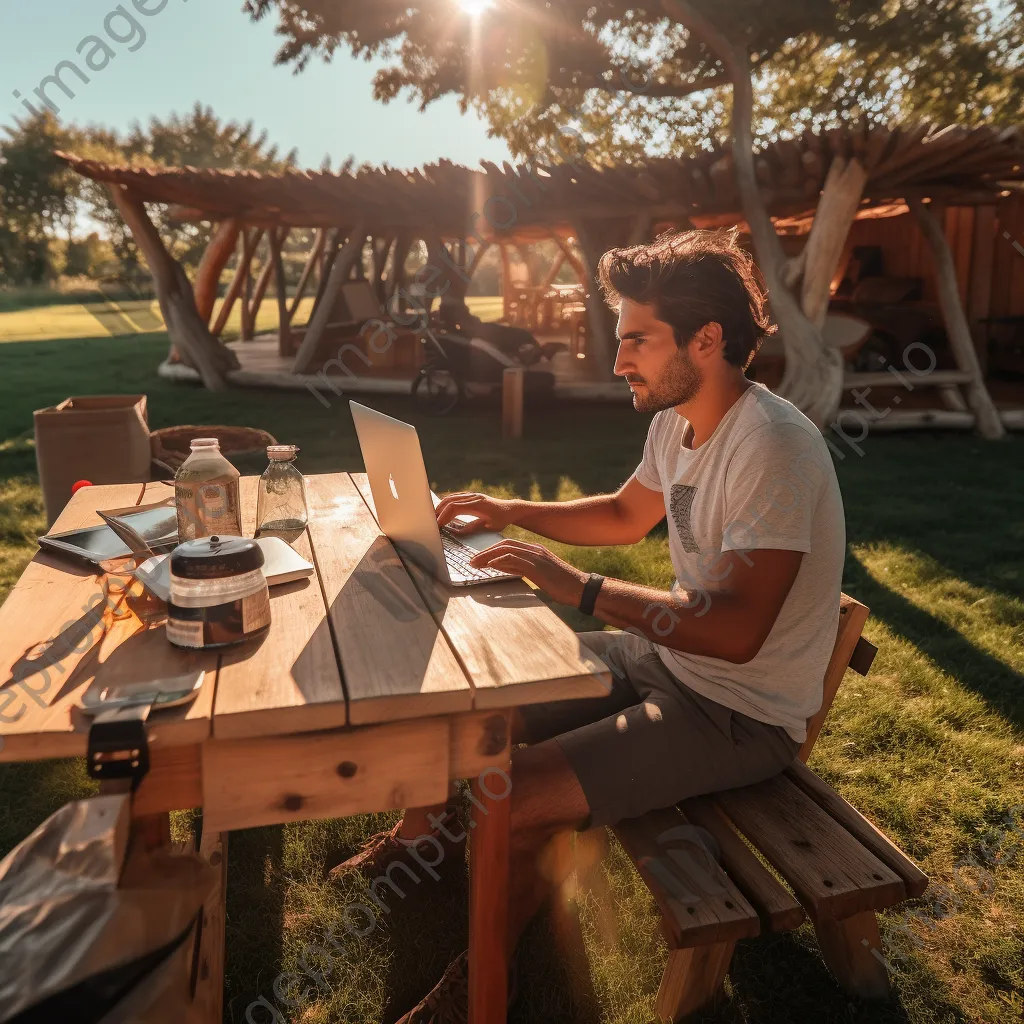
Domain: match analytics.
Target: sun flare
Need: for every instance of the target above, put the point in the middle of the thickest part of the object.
(474, 8)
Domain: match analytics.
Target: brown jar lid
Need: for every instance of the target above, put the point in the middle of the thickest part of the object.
(217, 557)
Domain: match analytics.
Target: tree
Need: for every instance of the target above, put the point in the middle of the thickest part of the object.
(197, 139)
(633, 77)
(38, 195)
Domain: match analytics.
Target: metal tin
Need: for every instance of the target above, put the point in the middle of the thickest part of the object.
(219, 595)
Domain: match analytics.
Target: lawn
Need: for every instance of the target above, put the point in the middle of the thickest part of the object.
(61, 321)
(930, 745)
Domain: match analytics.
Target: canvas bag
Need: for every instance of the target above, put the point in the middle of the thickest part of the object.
(100, 438)
(93, 931)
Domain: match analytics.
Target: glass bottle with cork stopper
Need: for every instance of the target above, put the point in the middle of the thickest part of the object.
(281, 508)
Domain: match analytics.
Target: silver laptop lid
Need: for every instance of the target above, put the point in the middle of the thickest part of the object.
(401, 491)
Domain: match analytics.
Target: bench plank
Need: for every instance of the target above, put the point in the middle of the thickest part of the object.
(698, 901)
(857, 825)
(832, 874)
(774, 903)
(852, 616)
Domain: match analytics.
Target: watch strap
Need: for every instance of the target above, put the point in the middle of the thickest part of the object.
(590, 591)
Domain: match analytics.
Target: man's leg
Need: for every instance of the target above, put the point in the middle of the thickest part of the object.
(547, 799)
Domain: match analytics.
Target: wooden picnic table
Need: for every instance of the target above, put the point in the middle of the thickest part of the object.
(375, 686)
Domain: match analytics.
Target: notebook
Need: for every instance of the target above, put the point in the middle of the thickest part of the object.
(283, 564)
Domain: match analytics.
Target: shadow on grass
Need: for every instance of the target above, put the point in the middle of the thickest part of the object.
(949, 496)
(977, 670)
(257, 886)
(781, 978)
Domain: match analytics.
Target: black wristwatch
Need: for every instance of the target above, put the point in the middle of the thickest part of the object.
(590, 591)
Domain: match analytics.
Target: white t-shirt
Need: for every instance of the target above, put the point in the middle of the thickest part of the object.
(764, 479)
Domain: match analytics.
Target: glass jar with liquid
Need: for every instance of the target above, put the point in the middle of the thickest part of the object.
(281, 499)
(206, 493)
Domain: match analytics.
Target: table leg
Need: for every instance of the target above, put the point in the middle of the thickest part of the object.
(488, 900)
(208, 1000)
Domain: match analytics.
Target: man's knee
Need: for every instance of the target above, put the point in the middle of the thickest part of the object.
(546, 794)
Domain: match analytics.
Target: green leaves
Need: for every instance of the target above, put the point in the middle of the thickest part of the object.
(637, 82)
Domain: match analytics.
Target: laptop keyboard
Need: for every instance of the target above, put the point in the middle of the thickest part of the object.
(457, 555)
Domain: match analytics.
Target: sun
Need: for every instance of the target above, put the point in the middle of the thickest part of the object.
(474, 8)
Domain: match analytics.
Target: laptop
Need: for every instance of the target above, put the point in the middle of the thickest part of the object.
(405, 504)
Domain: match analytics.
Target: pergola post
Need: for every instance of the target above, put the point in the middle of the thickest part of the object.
(187, 329)
(399, 254)
(212, 265)
(340, 270)
(262, 282)
(235, 288)
(506, 282)
(481, 251)
(284, 336)
(958, 330)
(307, 271)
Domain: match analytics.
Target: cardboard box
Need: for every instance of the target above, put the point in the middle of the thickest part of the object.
(100, 438)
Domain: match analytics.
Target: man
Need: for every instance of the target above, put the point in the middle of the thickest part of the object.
(714, 680)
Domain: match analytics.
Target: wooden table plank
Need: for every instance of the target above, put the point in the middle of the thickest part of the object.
(58, 617)
(289, 682)
(395, 661)
(515, 649)
(272, 780)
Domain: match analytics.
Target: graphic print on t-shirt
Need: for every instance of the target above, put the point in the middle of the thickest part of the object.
(680, 505)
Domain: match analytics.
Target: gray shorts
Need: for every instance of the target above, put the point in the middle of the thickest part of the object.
(653, 741)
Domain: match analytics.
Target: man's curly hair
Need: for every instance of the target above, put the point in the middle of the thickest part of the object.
(693, 278)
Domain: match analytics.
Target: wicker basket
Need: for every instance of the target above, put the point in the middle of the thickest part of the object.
(171, 446)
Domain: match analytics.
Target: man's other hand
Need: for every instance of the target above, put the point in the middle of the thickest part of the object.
(491, 513)
(559, 580)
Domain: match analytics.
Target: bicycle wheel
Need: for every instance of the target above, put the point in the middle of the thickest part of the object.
(436, 391)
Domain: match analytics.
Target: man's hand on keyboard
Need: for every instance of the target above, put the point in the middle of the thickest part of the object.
(560, 580)
(491, 513)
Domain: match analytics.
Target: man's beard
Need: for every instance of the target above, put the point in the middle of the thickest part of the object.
(678, 383)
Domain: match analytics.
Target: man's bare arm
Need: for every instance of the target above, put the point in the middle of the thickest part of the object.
(625, 517)
(731, 624)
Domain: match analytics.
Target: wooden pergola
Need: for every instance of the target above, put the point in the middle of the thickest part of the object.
(367, 222)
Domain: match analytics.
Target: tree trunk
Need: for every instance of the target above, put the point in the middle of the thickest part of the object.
(837, 207)
(813, 378)
(187, 329)
(988, 421)
(595, 238)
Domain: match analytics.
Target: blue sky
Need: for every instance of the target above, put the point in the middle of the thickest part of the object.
(209, 50)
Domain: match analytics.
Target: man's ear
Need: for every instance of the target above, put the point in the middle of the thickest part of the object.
(708, 340)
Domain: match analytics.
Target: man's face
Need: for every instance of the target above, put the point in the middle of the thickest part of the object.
(659, 372)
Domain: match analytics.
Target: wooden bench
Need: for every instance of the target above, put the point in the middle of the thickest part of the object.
(839, 868)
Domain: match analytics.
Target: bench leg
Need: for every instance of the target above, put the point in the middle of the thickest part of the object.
(693, 978)
(852, 950)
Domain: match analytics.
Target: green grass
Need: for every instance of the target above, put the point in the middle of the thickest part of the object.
(65, 317)
(930, 745)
